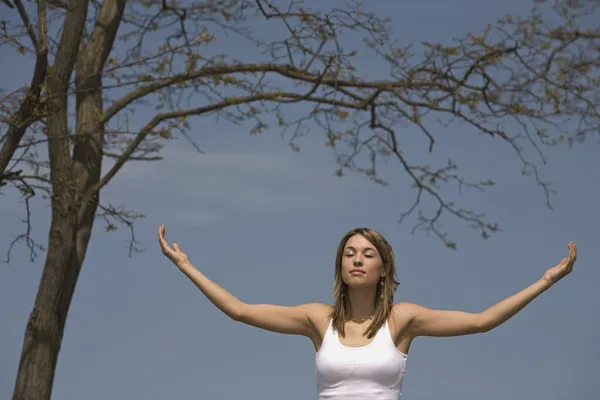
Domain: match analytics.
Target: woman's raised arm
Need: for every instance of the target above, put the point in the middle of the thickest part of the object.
(427, 322)
(296, 320)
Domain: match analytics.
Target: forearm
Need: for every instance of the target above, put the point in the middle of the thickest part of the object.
(220, 297)
(507, 308)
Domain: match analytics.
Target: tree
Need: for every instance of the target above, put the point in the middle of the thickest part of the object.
(525, 82)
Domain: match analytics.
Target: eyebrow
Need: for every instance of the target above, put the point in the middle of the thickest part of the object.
(366, 248)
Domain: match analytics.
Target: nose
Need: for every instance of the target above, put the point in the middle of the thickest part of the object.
(358, 261)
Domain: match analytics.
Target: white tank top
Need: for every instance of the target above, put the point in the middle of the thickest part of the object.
(373, 371)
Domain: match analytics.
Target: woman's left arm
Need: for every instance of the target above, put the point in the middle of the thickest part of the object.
(427, 322)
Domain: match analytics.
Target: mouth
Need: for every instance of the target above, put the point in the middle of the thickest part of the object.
(357, 271)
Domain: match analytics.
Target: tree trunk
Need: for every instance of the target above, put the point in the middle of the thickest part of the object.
(73, 205)
(46, 324)
(69, 237)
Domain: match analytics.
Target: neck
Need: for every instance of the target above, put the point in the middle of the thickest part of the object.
(362, 304)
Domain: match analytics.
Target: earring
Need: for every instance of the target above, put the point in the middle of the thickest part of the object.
(381, 289)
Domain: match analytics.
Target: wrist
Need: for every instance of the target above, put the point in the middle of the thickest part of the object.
(183, 264)
(545, 284)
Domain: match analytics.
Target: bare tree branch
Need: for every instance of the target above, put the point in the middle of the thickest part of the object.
(68, 47)
(522, 81)
(8, 3)
(149, 127)
(28, 192)
(28, 26)
(114, 216)
(25, 116)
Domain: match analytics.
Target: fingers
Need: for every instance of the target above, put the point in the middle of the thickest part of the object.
(572, 251)
(572, 256)
(162, 239)
(161, 234)
(572, 247)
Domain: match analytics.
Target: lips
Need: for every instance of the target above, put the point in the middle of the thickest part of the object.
(357, 270)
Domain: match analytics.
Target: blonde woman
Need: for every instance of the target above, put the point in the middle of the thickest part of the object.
(363, 340)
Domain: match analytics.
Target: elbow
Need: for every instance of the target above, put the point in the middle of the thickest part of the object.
(483, 324)
(238, 312)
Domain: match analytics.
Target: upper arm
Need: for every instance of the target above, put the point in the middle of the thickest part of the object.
(441, 323)
(295, 320)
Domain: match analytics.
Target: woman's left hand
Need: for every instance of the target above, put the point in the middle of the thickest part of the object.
(564, 268)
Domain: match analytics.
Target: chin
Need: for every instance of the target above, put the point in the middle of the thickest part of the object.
(359, 283)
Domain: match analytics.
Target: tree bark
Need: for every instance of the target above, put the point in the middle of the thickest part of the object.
(45, 327)
(46, 324)
(73, 206)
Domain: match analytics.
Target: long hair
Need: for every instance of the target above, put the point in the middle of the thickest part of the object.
(383, 304)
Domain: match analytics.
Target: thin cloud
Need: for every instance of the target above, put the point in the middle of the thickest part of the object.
(200, 190)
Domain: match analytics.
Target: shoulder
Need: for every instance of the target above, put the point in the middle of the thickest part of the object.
(405, 310)
(402, 316)
(319, 315)
(318, 309)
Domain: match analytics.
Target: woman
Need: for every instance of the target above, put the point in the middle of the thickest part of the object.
(362, 341)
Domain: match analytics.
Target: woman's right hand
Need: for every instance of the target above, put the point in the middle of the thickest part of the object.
(174, 253)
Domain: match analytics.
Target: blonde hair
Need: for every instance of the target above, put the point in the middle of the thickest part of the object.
(383, 304)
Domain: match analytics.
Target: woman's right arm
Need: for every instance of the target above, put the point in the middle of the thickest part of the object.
(296, 320)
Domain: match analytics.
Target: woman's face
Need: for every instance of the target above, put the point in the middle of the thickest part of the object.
(361, 263)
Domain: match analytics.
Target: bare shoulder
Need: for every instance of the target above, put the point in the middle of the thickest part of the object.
(318, 311)
(405, 310)
(321, 307)
(404, 313)
(319, 315)
(401, 318)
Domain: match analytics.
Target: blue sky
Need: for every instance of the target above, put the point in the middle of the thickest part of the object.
(264, 222)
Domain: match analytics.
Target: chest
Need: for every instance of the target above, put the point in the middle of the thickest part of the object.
(354, 335)
(374, 362)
